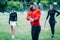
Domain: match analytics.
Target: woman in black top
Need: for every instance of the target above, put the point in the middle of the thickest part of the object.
(12, 21)
(52, 20)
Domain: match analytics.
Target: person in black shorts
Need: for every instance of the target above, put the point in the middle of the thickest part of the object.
(52, 20)
(13, 21)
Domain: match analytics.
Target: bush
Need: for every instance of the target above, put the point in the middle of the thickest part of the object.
(15, 5)
(45, 3)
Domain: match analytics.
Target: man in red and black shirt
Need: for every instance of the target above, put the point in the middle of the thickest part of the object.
(33, 16)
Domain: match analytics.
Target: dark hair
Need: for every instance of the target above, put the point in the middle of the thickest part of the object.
(30, 3)
(12, 10)
(52, 4)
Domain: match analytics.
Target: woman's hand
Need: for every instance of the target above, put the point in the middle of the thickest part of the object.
(45, 21)
(45, 24)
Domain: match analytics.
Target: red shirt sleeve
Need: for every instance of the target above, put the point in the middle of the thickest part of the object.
(38, 15)
(28, 16)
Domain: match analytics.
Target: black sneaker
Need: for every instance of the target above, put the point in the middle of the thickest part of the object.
(52, 36)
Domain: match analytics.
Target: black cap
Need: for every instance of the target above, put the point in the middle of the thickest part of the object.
(30, 3)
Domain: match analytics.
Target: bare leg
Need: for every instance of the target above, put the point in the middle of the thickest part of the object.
(13, 31)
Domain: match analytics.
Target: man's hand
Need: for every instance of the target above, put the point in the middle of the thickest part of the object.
(31, 20)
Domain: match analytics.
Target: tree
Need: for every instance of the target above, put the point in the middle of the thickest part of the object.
(3, 4)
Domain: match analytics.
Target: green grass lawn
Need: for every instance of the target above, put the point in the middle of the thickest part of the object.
(23, 31)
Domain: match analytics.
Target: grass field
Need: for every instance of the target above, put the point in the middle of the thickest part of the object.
(23, 31)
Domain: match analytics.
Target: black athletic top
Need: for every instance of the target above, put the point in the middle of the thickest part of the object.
(51, 13)
(13, 17)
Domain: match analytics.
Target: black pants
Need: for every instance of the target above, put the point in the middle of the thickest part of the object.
(35, 30)
(52, 25)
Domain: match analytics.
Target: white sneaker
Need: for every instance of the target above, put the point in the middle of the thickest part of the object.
(13, 37)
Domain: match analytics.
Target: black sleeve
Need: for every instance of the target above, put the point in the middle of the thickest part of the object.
(16, 16)
(58, 13)
(47, 15)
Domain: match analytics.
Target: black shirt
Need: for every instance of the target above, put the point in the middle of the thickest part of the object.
(13, 17)
(51, 13)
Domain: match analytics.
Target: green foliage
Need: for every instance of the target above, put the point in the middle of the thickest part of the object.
(3, 4)
(16, 5)
(45, 3)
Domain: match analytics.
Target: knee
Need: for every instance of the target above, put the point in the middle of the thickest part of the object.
(13, 28)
